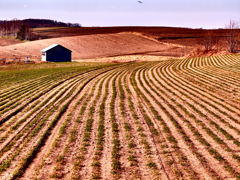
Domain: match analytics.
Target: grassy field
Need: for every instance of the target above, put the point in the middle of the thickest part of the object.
(174, 119)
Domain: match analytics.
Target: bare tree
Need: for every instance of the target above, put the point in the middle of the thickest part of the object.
(21, 29)
(9, 28)
(24, 32)
(232, 36)
(209, 41)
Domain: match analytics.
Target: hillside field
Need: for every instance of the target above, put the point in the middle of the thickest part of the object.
(98, 42)
(170, 119)
(92, 46)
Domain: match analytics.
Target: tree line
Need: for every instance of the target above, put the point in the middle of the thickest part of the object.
(21, 29)
(232, 38)
(10, 28)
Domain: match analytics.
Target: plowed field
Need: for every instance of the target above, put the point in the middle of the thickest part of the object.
(173, 119)
(91, 46)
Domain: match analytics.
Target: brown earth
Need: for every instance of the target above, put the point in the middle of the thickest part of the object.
(173, 35)
(162, 33)
(8, 41)
(94, 46)
(98, 42)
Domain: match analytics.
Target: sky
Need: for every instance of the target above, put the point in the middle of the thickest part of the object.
(175, 13)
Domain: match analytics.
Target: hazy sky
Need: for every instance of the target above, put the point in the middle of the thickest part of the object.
(184, 13)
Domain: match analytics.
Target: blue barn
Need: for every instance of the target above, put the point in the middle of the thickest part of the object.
(56, 53)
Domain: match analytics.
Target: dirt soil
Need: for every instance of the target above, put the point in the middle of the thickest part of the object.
(102, 42)
(93, 46)
(8, 41)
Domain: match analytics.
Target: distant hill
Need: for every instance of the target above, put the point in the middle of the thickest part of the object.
(21, 29)
(38, 23)
(92, 46)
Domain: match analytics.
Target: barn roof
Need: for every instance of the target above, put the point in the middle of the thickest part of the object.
(52, 46)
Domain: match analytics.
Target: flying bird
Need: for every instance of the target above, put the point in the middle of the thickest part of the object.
(140, 2)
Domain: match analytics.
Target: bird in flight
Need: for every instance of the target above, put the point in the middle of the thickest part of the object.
(140, 2)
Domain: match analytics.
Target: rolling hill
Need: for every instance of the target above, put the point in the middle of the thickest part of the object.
(93, 46)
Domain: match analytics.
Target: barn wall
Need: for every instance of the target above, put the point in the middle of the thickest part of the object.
(58, 54)
(44, 58)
